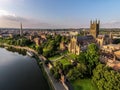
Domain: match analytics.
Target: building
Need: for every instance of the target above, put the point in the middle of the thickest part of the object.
(94, 28)
(73, 46)
(7, 35)
(62, 46)
(117, 54)
(37, 41)
(80, 43)
(111, 48)
(103, 40)
(73, 33)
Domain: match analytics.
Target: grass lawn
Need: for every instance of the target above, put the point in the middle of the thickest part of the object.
(64, 61)
(72, 56)
(83, 84)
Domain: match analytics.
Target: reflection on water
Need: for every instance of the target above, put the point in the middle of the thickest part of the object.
(19, 72)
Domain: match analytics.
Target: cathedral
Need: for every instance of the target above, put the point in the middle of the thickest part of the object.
(79, 43)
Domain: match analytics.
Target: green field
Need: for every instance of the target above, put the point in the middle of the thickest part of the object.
(64, 61)
(72, 56)
(83, 84)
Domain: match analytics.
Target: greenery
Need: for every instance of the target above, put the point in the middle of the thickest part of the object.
(82, 68)
(105, 78)
(22, 41)
(83, 84)
(64, 61)
(57, 70)
(20, 51)
(51, 47)
(85, 63)
(19, 41)
(90, 58)
(76, 72)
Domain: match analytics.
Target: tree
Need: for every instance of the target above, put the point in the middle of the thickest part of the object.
(39, 49)
(66, 68)
(82, 58)
(56, 75)
(82, 69)
(105, 78)
(92, 57)
(73, 74)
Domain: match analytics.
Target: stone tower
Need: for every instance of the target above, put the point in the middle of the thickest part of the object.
(94, 28)
(21, 31)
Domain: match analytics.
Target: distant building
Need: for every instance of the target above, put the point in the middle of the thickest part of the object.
(62, 46)
(31, 37)
(7, 35)
(111, 47)
(43, 36)
(73, 33)
(37, 41)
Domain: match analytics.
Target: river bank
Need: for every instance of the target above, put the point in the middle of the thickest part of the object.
(54, 85)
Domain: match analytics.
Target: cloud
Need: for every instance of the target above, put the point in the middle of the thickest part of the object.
(8, 19)
(6, 13)
(111, 24)
(13, 18)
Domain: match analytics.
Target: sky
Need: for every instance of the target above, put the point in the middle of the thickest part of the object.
(59, 13)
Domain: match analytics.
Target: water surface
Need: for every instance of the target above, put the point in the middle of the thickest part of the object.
(18, 72)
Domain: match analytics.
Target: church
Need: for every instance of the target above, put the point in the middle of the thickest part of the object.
(79, 43)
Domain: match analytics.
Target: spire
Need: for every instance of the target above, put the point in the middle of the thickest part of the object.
(90, 21)
(21, 32)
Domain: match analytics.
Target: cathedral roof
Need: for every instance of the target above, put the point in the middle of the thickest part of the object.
(85, 39)
(82, 38)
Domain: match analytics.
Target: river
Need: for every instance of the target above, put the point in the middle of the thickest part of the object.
(18, 72)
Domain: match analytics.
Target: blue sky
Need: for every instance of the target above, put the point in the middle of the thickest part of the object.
(59, 13)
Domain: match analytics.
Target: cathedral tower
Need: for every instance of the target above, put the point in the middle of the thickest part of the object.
(94, 28)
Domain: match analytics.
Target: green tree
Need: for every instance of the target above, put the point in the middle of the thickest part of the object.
(105, 78)
(39, 49)
(92, 57)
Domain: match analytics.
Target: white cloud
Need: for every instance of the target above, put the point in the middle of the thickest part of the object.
(111, 24)
(8, 19)
(6, 13)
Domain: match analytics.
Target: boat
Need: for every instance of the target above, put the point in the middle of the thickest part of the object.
(6, 47)
(30, 53)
